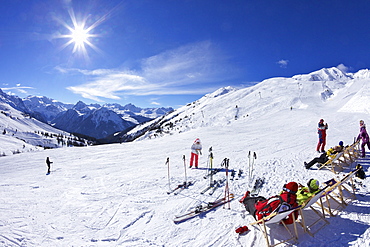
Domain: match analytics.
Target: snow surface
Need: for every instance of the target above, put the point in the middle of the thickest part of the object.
(115, 195)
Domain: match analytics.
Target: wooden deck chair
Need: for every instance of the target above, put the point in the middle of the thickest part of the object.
(276, 218)
(334, 196)
(331, 162)
(321, 215)
(329, 203)
(352, 152)
(346, 185)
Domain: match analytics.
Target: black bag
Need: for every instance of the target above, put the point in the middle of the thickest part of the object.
(360, 173)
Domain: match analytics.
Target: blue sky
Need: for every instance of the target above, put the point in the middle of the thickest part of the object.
(155, 53)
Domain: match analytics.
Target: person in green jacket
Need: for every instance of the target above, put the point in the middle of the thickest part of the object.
(305, 193)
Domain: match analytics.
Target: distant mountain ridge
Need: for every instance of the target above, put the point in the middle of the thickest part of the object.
(113, 122)
(94, 120)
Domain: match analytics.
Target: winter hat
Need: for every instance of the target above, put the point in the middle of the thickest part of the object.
(313, 185)
(197, 140)
(341, 143)
(321, 120)
(362, 122)
(291, 187)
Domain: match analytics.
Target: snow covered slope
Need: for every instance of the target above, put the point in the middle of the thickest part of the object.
(20, 133)
(115, 195)
(340, 93)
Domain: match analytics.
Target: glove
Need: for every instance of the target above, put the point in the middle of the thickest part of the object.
(241, 229)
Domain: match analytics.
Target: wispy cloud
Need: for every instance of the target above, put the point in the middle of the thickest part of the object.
(283, 63)
(343, 68)
(18, 88)
(190, 69)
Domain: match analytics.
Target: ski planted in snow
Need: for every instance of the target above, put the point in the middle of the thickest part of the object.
(258, 184)
(202, 209)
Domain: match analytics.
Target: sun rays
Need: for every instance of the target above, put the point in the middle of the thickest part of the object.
(80, 34)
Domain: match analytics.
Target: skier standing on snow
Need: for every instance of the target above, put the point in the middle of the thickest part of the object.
(321, 130)
(48, 162)
(260, 207)
(196, 149)
(364, 137)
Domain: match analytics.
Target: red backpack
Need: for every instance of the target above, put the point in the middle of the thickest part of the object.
(273, 204)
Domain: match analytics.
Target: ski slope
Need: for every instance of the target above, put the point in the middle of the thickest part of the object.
(115, 195)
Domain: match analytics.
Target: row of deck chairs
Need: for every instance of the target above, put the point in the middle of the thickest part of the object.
(328, 202)
(344, 158)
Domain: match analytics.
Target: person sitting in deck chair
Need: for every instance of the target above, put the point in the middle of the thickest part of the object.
(260, 207)
(324, 157)
(304, 193)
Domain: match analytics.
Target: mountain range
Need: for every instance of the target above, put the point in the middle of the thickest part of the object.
(94, 120)
(116, 123)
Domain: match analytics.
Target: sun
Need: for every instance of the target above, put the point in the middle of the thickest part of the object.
(80, 35)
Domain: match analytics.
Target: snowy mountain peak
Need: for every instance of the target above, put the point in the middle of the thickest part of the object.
(325, 74)
(221, 91)
(362, 74)
(79, 106)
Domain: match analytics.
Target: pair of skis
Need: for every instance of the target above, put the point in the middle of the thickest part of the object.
(203, 209)
(258, 184)
(211, 172)
(233, 174)
(213, 186)
(180, 188)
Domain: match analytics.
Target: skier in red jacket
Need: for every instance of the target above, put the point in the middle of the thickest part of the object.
(260, 207)
(321, 130)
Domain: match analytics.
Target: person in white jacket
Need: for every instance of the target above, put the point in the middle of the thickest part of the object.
(196, 149)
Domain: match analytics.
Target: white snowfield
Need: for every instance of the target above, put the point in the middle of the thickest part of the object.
(115, 195)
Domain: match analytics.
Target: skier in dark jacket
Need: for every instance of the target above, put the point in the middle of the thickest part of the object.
(321, 130)
(324, 157)
(48, 162)
(260, 207)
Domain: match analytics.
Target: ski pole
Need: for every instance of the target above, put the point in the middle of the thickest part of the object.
(186, 178)
(168, 170)
(209, 157)
(227, 194)
(210, 165)
(249, 166)
(254, 158)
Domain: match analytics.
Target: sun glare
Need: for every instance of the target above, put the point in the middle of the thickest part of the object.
(80, 35)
